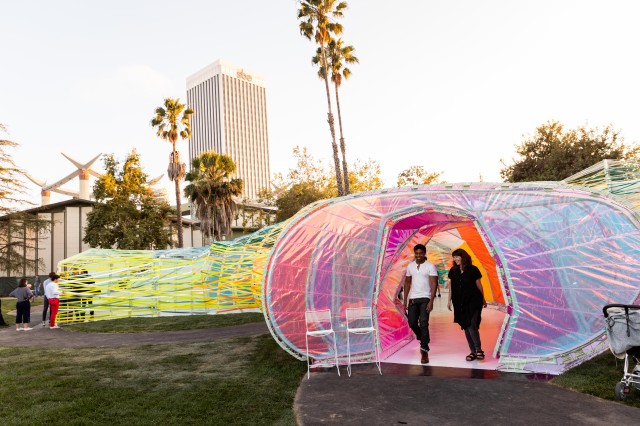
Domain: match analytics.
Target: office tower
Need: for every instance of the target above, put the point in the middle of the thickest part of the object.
(231, 118)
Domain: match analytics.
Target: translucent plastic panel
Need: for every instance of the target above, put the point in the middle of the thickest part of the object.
(559, 253)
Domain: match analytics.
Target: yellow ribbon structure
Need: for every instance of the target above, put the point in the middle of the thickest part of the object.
(108, 284)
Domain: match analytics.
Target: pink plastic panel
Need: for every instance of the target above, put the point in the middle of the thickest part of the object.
(564, 254)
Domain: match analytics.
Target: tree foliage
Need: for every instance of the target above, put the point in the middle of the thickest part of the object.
(171, 122)
(418, 175)
(128, 215)
(310, 180)
(212, 189)
(296, 197)
(553, 153)
(19, 230)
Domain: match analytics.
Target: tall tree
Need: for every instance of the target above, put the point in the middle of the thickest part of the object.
(19, 230)
(316, 23)
(417, 175)
(337, 56)
(553, 154)
(211, 189)
(128, 215)
(296, 197)
(173, 121)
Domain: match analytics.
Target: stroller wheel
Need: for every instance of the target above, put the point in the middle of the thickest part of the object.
(622, 391)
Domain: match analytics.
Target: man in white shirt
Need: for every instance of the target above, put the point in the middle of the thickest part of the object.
(419, 287)
(45, 305)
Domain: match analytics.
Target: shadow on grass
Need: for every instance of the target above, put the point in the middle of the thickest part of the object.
(230, 382)
(598, 377)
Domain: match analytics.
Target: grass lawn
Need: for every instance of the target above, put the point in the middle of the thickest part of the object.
(185, 322)
(9, 304)
(598, 377)
(228, 382)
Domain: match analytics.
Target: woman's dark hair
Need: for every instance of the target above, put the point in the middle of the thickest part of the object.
(51, 274)
(465, 258)
(55, 277)
(23, 282)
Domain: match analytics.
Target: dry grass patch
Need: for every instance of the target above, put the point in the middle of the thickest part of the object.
(183, 322)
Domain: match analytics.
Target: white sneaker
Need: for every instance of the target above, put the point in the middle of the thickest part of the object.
(28, 328)
(44, 323)
(18, 329)
(55, 326)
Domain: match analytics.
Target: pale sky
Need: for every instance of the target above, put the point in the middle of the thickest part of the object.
(449, 85)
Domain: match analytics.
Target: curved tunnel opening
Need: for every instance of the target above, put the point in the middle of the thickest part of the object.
(441, 232)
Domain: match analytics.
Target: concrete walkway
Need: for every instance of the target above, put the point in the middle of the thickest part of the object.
(417, 395)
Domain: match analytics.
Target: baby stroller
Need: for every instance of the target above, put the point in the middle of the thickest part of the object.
(623, 332)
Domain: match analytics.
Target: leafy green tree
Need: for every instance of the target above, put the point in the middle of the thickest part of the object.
(307, 169)
(296, 197)
(337, 56)
(553, 154)
(171, 122)
(317, 22)
(305, 183)
(417, 175)
(19, 231)
(365, 176)
(212, 189)
(128, 215)
(310, 181)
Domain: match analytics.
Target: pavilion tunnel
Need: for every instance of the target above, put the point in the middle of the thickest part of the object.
(441, 233)
(554, 254)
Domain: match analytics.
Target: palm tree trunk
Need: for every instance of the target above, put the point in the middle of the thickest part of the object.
(334, 145)
(179, 214)
(178, 203)
(347, 190)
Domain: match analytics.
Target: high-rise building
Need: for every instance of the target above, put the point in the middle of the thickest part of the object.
(231, 118)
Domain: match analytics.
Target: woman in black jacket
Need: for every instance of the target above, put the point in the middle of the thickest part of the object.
(467, 297)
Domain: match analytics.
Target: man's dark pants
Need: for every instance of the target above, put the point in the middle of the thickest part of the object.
(45, 306)
(417, 310)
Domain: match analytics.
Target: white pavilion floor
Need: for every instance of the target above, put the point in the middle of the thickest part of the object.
(448, 344)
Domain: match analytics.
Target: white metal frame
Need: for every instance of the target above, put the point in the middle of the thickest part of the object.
(314, 318)
(356, 314)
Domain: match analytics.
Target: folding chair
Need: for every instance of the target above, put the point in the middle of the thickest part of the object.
(316, 326)
(360, 321)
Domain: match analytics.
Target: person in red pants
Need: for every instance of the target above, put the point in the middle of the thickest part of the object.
(52, 292)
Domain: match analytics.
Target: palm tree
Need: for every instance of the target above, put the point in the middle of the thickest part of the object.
(173, 121)
(315, 21)
(337, 56)
(211, 190)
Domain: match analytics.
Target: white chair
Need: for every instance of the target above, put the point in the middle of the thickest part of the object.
(318, 324)
(360, 321)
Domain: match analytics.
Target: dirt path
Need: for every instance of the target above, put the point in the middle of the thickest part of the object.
(61, 338)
